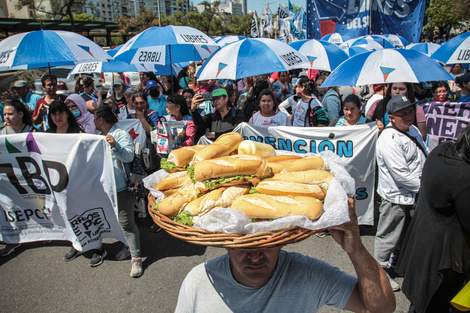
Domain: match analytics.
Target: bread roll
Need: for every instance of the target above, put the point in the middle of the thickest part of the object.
(212, 151)
(172, 181)
(253, 147)
(232, 139)
(280, 166)
(231, 194)
(182, 156)
(204, 203)
(238, 164)
(269, 207)
(286, 188)
(308, 163)
(170, 206)
(285, 157)
(306, 177)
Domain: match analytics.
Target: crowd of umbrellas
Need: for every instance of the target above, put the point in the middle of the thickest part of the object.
(166, 50)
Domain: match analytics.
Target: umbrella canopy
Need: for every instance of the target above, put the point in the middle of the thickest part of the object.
(119, 66)
(225, 40)
(456, 50)
(167, 45)
(251, 56)
(336, 38)
(45, 48)
(354, 50)
(397, 41)
(427, 48)
(386, 66)
(322, 55)
(372, 41)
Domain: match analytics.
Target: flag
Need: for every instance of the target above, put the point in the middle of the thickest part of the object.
(283, 12)
(254, 26)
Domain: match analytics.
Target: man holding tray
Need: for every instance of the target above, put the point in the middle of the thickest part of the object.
(273, 280)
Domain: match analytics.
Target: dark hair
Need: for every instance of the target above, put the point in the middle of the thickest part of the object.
(462, 79)
(439, 84)
(188, 90)
(20, 107)
(267, 92)
(60, 106)
(230, 92)
(175, 84)
(410, 92)
(352, 99)
(150, 75)
(140, 94)
(107, 114)
(47, 77)
(309, 84)
(181, 101)
(462, 145)
(87, 81)
(110, 101)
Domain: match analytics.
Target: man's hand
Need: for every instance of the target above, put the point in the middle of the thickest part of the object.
(110, 140)
(197, 99)
(42, 109)
(347, 234)
(140, 114)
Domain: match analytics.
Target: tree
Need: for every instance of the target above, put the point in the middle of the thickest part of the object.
(446, 14)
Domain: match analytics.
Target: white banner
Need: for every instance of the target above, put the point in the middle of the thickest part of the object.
(254, 26)
(150, 56)
(445, 121)
(57, 187)
(134, 127)
(354, 144)
(283, 12)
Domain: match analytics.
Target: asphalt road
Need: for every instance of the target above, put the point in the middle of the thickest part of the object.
(37, 279)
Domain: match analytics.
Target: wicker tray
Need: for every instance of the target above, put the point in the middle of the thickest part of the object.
(249, 241)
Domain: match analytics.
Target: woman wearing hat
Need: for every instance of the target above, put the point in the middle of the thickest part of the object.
(117, 92)
(223, 120)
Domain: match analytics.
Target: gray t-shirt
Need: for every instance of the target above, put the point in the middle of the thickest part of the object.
(299, 284)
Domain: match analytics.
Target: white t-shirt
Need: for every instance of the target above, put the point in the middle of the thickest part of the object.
(299, 284)
(300, 109)
(278, 119)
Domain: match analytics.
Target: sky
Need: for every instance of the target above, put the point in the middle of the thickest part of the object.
(258, 5)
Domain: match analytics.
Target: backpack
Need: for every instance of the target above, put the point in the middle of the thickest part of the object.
(310, 116)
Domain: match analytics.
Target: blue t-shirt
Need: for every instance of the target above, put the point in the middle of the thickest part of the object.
(158, 105)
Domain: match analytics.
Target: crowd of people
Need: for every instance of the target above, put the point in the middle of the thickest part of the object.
(211, 108)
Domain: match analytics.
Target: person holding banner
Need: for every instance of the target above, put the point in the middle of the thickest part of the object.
(269, 115)
(77, 107)
(306, 89)
(400, 154)
(122, 152)
(61, 120)
(435, 258)
(352, 113)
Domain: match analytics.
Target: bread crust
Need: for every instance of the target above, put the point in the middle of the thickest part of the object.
(170, 206)
(182, 156)
(286, 188)
(272, 207)
(172, 181)
(212, 151)
(205, 203)
(232, 139)
(306, 177)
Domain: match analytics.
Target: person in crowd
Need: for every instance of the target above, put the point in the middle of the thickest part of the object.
(128, 108)
(276, 77)
(434, 260)
(156, 98)
(21, 89)
(282, 88)
(351, 113)
(306, 89)
(122, 152)
(77, 106)
(378, 94)
(331, 103)
(18, 120)
(144, 78)
(49, 84)
(61, 120)
(400, 154)
(204, 86)
(89, 93)
(456, 70)
(320, 92)
(463, 82)
(378, 110)
(183, 76)
(249, 104)
(188, 95)
(243, 85)
(123, 79)
(177, 110)
(142, 112)
(269, 114)
(223, 120)
(231, 95)
(172, 85)
(119, 89)
(112, 104)
(274, 280)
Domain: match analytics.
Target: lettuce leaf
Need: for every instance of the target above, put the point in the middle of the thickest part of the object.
(253, 190)
(165, 164)
(212, 183)
(184, 218)
(190, 172)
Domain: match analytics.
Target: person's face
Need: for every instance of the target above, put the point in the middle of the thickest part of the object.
(144, 79)
(59, 118)
(403, 118)
(266, 105)
(89, 89)
(440, 94)
(457, 68)
(399, 89)
(282, 77)
(172, 108)
(319, 88)
(72, 106)
(351, 112)
(98, 122)
(253, 268)
(50, 86)
(118, 89)
(219, 102)
(188, 97)
(265, 76)
(20, 92)
(299, 90)
(140, 104)
(12, 117)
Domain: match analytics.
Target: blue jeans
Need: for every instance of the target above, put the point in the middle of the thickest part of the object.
(127, 222)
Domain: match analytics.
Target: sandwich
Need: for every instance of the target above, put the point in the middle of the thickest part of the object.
(293, 163)
(320, 177)
(170, 206)
(222, 146)
(287, 188)
(179, 158)
(173, 181)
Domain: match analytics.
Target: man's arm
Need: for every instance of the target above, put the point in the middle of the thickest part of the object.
(373, 292)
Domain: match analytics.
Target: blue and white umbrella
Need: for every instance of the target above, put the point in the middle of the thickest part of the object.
(397, 41)
(456, 50)
(427, 48)
(336, 38)
(167, 45)
(251, 56)
(372, 42)
(119, 66)
(322, 55)
(45, 48)
(387, 66)
(354, 50)
(225, 40)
